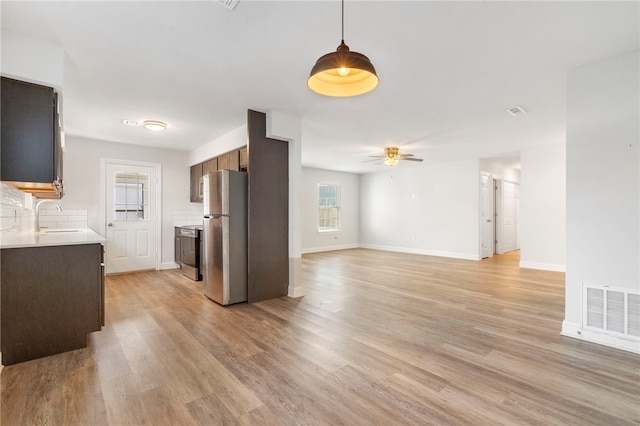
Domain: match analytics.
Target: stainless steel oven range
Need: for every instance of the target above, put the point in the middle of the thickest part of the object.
(190, 248)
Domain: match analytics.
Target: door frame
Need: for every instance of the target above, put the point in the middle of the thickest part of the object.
(517, 245)
(158, 206)
(492, 205)
(498, 213)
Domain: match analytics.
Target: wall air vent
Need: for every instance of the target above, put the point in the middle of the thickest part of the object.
(610, 310)
(517, 110)
(229, 4)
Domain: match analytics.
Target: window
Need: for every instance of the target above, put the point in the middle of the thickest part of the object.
(328, 207)
(131, 198)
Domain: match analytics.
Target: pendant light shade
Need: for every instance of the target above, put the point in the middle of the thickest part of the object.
(342, 73)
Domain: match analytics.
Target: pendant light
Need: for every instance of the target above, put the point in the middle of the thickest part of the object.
(342, 73)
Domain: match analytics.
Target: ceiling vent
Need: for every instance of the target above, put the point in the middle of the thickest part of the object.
(517, 110)
(229, 4)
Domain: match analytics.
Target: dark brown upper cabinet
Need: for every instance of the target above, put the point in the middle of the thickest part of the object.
(209, 166)
(196, 183)
(229, 161)
(244, 159)
(30, 138)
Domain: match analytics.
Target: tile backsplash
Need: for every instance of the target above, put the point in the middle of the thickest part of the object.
(193, 215)
(12, 207)
(17, 212)
(50, 217)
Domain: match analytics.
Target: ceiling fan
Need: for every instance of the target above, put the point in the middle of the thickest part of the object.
(392, 156)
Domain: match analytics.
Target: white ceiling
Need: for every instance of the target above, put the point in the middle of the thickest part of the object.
(448, 70)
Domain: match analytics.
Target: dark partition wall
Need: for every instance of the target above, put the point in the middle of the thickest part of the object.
(268, 159)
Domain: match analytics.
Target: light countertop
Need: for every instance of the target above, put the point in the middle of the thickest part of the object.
(51, 237)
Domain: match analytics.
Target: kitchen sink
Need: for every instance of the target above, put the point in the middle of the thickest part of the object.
(60, 231)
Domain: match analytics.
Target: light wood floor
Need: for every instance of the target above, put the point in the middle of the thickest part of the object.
(380, 338)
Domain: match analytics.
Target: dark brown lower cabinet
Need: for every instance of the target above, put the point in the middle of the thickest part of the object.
(51, 298)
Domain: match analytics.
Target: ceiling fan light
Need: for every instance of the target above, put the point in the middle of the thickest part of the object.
(391, 161)
(154, 125)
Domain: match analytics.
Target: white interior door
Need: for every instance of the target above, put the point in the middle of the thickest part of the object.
(486, 214)
(131, 217)
(510, 213)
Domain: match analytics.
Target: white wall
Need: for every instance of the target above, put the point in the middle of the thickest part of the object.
(499, 171)
(349, 236)
(603, 181)
(427, 209)
(32, 60)
(234, 139)
(542, 207)
(82, 181)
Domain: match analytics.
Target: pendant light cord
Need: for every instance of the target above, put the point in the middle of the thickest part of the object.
(343, 21)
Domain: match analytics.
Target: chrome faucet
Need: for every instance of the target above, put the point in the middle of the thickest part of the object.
(58, 206)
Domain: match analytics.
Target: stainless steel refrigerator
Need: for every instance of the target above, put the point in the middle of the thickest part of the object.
(224, 257)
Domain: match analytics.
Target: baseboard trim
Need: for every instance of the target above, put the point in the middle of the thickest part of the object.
(295, 289)
(295, 292)
(574, 330)
(543, 266)
(169, 265)
(330, 248)
(450, 254)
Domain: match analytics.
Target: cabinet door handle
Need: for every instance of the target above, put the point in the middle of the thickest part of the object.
(109, 224)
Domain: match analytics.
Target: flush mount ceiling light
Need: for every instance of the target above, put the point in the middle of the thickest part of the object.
(154, 125)
(342, 73)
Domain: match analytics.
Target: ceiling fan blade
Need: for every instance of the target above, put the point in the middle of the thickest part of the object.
(412, 159)
(377, 156)
(405, 155)
(373, 159)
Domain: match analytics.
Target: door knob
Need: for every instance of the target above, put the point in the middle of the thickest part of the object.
(109, 224)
